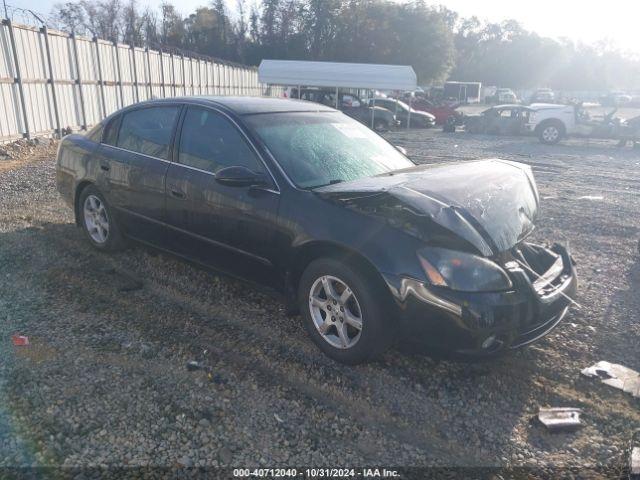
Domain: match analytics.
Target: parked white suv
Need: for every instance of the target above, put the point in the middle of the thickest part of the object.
(551, 122)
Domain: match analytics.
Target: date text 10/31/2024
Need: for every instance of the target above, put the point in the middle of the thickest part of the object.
(315, 473)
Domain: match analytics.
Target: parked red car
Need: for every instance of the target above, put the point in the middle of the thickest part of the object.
(441, 111)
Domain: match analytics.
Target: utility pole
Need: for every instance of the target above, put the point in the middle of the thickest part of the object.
(6, 11)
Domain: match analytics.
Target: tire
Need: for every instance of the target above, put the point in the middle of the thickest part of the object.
(380, 125)
(98, 221)
(550, 132)
(364, 303)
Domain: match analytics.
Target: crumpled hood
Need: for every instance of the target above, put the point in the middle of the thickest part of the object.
(491, 204)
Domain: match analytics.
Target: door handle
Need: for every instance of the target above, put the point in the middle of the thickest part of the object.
(106, 168)
(177, 194)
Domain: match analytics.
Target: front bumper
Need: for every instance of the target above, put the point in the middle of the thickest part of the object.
(484, 323)
(418, 121)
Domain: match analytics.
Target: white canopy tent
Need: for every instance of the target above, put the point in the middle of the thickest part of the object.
(333, 74)
(338, 75)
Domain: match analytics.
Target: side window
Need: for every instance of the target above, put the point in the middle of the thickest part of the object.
(111, 131)
(148, 130)
(210, 142)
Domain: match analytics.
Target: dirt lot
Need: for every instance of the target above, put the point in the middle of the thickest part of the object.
(104, 380)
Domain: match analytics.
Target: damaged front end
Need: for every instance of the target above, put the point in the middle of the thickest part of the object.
(543, 283)
(484, 288)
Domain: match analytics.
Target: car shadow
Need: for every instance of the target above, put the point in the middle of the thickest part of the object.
(619, 335)
(448, 413)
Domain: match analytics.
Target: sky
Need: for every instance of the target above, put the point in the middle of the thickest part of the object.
(589, 21)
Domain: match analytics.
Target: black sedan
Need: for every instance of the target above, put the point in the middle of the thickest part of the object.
(305, 200)
(404, 114)
(498, 120)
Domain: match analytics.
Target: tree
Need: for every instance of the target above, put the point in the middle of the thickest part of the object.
(133, 22)
(436, 41)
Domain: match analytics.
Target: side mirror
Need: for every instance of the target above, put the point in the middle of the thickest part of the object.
(238, 176)
(402, 150)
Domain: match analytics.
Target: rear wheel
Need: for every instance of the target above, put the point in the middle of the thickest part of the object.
(550, 132)
(449, 125)
(342, 312)
(98, 222)
(380, 125)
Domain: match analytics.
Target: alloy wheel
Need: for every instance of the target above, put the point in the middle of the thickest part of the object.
(335, 312)
(550, 134)
(96, 219)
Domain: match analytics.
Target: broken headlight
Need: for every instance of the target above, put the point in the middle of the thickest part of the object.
(462, 271)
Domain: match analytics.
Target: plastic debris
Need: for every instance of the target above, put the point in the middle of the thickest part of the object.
(192, 366)
(20, 340)
(634, 462)
(591, 197)
(560, 419)
(616, 376)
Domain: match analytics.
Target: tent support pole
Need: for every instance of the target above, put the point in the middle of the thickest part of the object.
(373, 111)
(337, 94)
(409, 115)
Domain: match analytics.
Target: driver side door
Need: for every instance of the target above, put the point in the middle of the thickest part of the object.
(229, 228)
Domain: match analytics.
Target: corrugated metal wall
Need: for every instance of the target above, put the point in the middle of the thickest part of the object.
(51, 80)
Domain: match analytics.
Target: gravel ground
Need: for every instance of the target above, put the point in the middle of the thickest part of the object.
(104, 382)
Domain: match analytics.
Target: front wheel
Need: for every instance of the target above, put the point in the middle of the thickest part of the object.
(550, 133)
(343, 312)
(98, 222)
(380, 125)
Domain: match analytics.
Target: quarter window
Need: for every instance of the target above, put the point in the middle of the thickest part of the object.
(148, 131)
(110, 135)
(210, 142)
(95, 134)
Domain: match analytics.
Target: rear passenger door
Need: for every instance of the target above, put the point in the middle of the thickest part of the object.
(230, 228)
(135, 154)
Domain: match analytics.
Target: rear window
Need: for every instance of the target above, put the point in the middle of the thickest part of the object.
(95, 134)
(148, 131)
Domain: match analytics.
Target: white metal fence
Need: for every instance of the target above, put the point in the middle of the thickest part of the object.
(52, 81)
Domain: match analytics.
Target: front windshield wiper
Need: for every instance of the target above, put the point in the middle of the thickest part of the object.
(332, 182)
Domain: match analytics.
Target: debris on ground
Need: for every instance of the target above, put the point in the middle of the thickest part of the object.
(591, 197)
(193, 365)
(560, 419)
(617, 376)
(634, 462)
(20, 340)
(23, 147)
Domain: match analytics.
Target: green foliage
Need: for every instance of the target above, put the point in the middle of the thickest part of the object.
(507, 55)
(434, 40)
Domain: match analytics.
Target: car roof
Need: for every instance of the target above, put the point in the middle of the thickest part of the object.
(510, 105)
(250, 105)
(546, 106)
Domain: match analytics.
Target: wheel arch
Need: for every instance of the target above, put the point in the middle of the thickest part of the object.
(306, 253)
(552, 121)
(76, 199)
